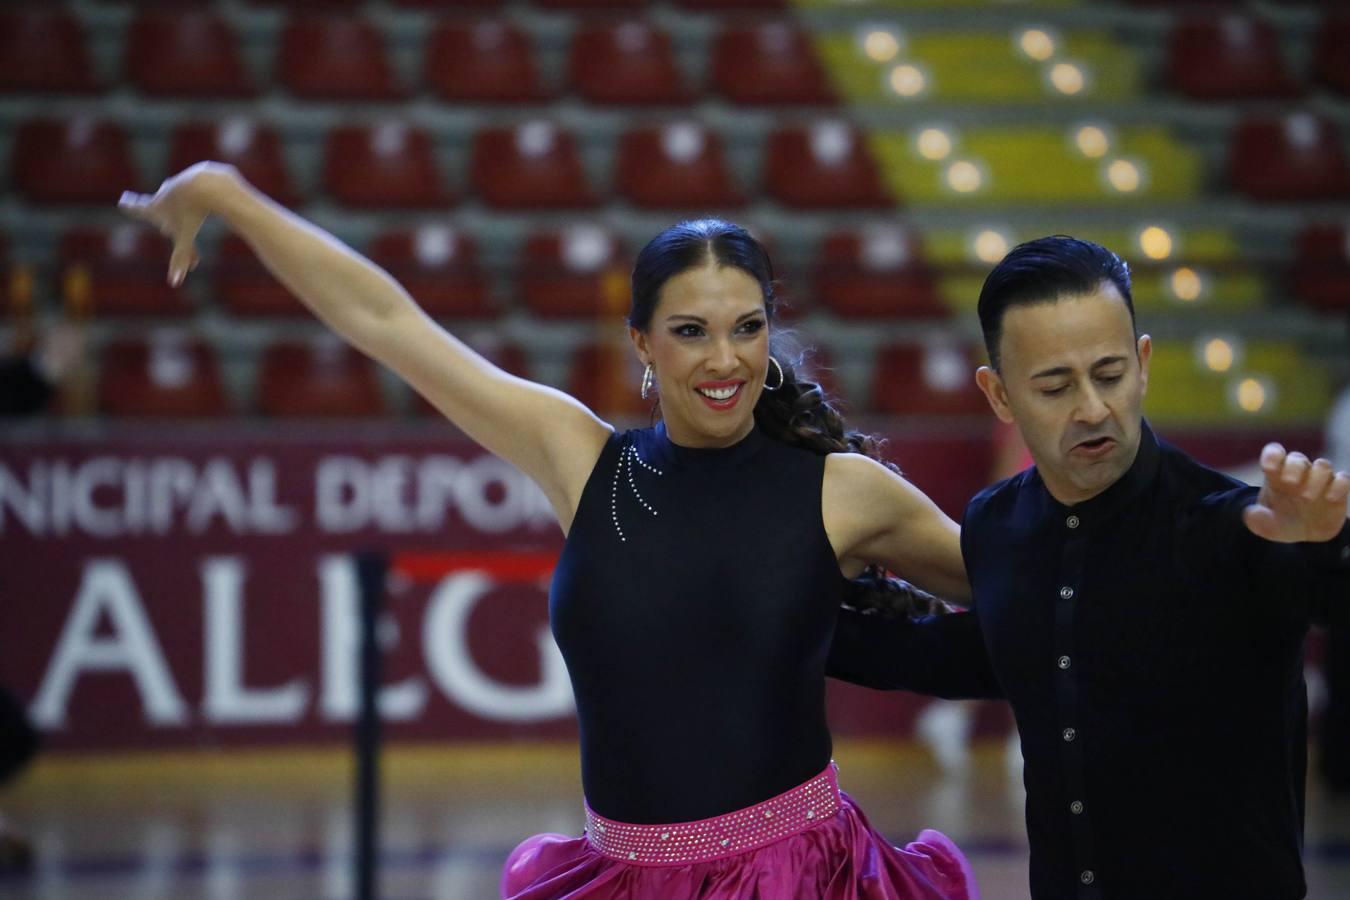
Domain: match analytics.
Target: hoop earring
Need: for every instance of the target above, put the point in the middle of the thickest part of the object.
(781, 377)
(648, 381)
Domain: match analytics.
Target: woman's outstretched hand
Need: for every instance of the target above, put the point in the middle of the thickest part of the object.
(178, 209)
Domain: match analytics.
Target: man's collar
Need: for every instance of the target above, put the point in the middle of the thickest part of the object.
(1122, 492)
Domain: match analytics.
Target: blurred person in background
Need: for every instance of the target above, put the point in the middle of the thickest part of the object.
(947, 726)
(1145, 615)
(29, 381)
(703, 570)
(1335, 743)
(18, 744)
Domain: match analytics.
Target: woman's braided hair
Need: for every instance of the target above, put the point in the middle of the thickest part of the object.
(798, 412)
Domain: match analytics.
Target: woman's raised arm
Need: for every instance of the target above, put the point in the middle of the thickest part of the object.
(549, 435)
(873, 516)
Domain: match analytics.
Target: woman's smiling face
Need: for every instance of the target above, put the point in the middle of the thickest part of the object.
(708, 344)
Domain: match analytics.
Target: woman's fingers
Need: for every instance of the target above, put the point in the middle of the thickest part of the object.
(184, 260)
(178, 225)
(135, 205)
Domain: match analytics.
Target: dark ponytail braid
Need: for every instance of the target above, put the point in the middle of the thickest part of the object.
(798, 412)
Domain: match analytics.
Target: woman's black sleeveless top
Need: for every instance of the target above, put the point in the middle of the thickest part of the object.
(695, 602)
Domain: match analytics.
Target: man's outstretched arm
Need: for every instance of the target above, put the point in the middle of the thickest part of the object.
(937, 655)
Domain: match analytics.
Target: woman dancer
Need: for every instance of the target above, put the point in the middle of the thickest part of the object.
(704, 564)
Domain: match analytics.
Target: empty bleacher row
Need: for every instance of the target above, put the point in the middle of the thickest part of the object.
(876, 272)
(504, 160)
(537, 164)
(329, 51)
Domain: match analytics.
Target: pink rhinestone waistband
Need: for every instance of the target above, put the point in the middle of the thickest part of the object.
(805, 806)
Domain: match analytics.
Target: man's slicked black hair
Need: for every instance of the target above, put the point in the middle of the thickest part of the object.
(1043, 271)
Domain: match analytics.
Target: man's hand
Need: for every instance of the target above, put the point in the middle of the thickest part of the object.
(1300, 500)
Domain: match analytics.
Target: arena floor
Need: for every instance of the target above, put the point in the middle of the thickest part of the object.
(277, 824)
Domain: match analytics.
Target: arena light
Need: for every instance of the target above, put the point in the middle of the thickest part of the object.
(934, 144)
(908, 80)
(990, 245)
(1092, 141)
(881, 45)
(1156, 242)
(1036, 43)
(1124, 176)
(964, 177)
(1068, 78)
(1218, 354)
(1187, 284)
(1254, 395)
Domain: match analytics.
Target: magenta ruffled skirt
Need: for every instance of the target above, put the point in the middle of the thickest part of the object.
(811, 842)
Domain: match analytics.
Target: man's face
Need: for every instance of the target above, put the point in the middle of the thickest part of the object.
(1072, 378)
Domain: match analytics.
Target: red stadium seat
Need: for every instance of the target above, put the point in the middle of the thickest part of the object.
(1227, 58)
(483, 62)
(577, 271)
(628, 62)
(124, 268)
(1321, 273)
(245, 287)
(324, 58)
(438, 265)
(169, 377)
(449, 5)
(44, 52)
(1331, 63)
(532, 166)
(185, 54)
(937, 380)
(678, 166)
(1295, 157)
(822, 166)
(719, 5)
(877, 272)
(607, 377)
(75, 161)
(252, 147)
(391, 164)
(584, 5)
(769, 63)
(322, 378)
(308, 4)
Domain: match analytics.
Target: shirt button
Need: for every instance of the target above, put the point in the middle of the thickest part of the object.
(1076, 807)
(1070, 734)
(1066, 592)
(1087, 877)
(1345, 553)
(1063, 662)
(1071, 521)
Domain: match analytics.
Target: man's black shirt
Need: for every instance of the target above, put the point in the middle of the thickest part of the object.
(1152, 650)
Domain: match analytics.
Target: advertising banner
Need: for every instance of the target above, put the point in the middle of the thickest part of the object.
(180, 587)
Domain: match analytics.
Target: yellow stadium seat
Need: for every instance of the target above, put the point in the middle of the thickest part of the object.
(890, 65)
(1002, 165)
(1185, 246)
(929, 4)
(1268, 381)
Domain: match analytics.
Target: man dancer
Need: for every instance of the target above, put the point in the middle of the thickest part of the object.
(1143, 614)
